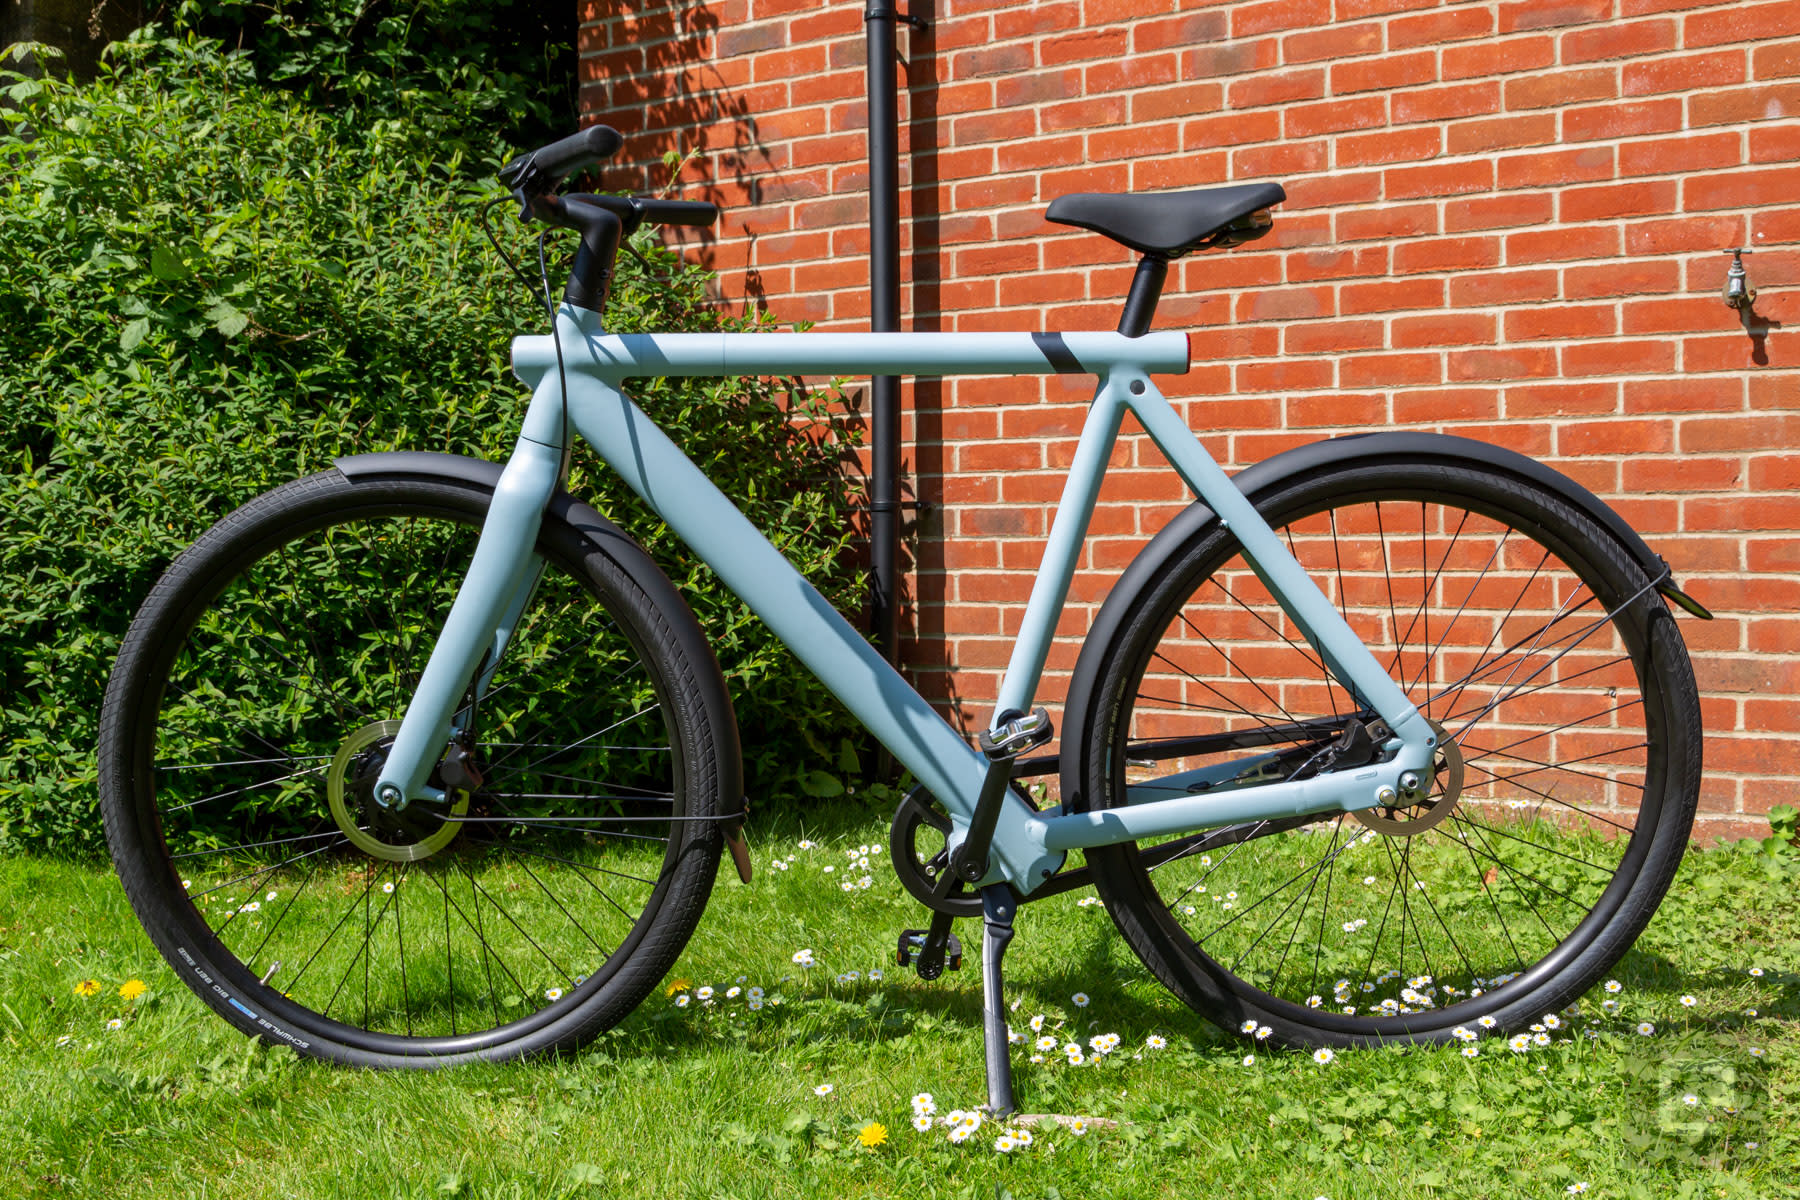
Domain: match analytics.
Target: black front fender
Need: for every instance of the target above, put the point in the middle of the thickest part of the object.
(1273, 473)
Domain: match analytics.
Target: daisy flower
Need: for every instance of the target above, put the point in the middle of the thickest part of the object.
(1323, 1055)
(1078, 1126)
(1155, 1041)
(1689, 1001)
(803, 957)
(1552, 1021)
(1614, 987)
(1470, 1051)
(1080, 999)
(388, 888)
(1005, 1143)
(1247, 1027)
(961, 1134)
(1262, 1033)
(1249, 1060)
(553, 994)
(1575, 1189)
(1646, 1028)
(116, 1023)
(922, 1123)
(682, 1000)
(1756, 972)
(1047, 1042)
(1486, 1022)
(924, 1104)
(732, 993)
(1037, 1023)
(1519, 1043)
(67, 1039)
(824, 1089)
(704, 993)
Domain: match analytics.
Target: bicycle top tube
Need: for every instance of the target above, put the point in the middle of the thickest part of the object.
(614, 357)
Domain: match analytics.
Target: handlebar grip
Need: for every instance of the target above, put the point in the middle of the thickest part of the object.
(697, 213)
(547, 166)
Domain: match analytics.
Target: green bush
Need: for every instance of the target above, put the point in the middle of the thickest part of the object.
(208, 287)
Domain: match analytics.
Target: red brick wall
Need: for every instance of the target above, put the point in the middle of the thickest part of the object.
(1505, 220)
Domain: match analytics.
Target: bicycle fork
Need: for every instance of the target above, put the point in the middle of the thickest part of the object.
(501, 579)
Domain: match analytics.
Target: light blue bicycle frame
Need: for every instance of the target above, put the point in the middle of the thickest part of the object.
(1028, 847)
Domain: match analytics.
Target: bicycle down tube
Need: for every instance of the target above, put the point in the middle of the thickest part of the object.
(1027, 847)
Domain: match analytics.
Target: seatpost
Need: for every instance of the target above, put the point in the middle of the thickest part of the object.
(1146, 290)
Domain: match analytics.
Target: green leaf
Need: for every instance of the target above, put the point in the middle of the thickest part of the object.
(227, 318)
(166, 263)
(133, 333)
(821, 784)
(586, 1173)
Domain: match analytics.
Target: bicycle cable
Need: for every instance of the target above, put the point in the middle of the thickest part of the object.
(532, 286)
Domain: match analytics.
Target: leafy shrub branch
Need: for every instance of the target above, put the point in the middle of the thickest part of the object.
(209, 286)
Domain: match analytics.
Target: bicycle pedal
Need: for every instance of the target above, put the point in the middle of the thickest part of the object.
(1011, 738)
(912, 947)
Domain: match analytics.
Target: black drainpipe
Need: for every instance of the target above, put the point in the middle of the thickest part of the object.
(879, 20)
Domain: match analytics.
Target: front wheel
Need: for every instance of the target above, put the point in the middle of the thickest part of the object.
(1562, 799)
(248, 716)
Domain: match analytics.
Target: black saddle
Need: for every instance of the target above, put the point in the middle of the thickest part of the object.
(1170, 224)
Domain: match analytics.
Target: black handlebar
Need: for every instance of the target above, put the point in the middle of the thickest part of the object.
(697, 213)
(601, 220)
(539, 172)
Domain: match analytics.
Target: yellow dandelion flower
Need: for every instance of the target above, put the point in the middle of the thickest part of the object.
(873, 1134)
(676, 985)
(131, 989)
(88, 987)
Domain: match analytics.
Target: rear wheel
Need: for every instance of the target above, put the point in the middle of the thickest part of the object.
(247, 719)
(1561, 801)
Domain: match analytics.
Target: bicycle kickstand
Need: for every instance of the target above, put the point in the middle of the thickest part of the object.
(998, 904)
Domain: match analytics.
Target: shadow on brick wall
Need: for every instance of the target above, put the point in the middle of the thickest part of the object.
(649, 72)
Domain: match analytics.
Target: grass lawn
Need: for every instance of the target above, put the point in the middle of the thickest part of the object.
(154, 1096)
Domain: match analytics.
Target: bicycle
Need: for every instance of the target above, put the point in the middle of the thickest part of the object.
(1399, 674)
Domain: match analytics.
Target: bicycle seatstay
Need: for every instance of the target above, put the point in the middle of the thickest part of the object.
(1027, 847)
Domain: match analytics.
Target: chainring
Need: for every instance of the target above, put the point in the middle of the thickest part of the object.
(916, 843)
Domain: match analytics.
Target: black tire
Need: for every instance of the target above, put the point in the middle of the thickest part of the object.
(1540, 646)
(261, 678)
